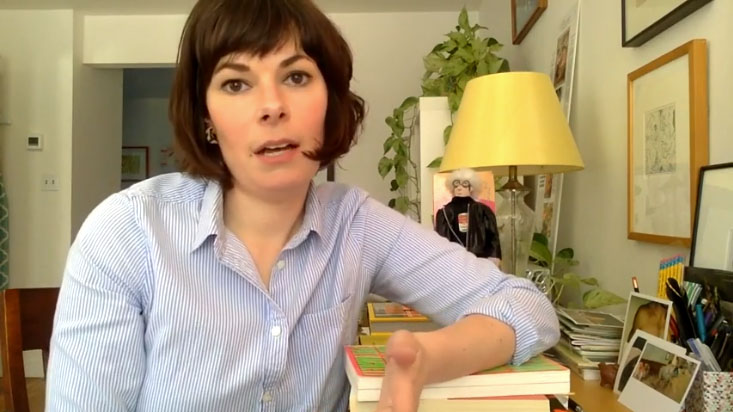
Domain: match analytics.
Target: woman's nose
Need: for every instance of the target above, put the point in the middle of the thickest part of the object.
(272, 106)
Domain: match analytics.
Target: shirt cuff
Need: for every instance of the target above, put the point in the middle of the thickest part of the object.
(530, 315)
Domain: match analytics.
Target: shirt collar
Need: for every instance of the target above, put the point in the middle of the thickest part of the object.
(211, 222)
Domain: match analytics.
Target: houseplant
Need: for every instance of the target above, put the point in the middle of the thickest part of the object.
(463, 55)
(560, 266)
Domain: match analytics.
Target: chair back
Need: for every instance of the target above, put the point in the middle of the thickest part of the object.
(26, 323)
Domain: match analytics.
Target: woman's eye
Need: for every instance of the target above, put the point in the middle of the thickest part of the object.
(298, 78)
(234, 86)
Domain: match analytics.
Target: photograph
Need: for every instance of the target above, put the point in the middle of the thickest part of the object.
(647, 313)
(485, 194)
(667, 126)
(561, 58)
(134, 165)
(661, 377)
(631, 356)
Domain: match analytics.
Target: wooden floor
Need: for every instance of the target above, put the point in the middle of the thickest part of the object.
(36, 388)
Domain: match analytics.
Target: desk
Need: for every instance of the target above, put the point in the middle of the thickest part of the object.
(592, 397)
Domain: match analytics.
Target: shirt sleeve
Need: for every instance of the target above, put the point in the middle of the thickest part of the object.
(415, 266)
(97, 355)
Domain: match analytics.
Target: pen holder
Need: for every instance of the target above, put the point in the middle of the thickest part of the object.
(711, 391)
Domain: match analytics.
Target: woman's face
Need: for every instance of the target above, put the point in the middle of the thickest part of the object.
(266, 112)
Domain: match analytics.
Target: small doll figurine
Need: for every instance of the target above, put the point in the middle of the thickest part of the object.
(466, 221)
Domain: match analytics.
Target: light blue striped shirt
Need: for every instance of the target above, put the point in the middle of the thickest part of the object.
(161, 307)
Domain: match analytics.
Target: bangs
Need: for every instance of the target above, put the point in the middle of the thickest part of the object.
(256, 27)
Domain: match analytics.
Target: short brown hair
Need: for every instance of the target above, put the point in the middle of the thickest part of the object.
(217, 28)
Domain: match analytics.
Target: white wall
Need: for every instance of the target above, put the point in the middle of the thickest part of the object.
(145, 115)
(593, 215)
(96, 131)
(37, 49)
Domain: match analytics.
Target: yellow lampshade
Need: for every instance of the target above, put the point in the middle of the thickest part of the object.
(511, 119)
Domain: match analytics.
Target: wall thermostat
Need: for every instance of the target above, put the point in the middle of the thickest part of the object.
(35, 141)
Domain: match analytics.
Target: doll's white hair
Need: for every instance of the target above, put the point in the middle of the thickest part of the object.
(464, 174)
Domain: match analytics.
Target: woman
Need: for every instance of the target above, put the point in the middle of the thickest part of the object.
(235, 285)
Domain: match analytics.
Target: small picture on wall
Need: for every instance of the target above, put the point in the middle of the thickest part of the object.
(561, 57)
(135, 165)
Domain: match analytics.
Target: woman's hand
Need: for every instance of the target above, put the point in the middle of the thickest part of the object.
(405, 374)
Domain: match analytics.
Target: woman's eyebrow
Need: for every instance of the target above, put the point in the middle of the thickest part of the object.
(241, 67)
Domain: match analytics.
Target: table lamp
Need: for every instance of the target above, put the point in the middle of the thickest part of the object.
(512, 124)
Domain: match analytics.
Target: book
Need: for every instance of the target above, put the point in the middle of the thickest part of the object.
(391, 316)
(529, 403)
(539, 376)
(585, 368)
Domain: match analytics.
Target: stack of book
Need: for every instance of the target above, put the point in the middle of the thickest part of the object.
(384, 318)
(588, 337)
(507, 388)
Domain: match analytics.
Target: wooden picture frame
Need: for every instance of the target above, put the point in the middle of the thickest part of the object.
(135, 163)
(667, 144)
(712, 237)
(640, 23)
(524, 15)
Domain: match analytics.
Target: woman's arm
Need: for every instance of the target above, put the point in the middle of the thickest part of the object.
(416, 267)
(97, 357)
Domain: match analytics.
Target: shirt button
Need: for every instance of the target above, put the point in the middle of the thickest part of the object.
(276, 330)
(266, 397)
(280, 264)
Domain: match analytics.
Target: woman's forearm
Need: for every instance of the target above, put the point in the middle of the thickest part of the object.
(473, 343)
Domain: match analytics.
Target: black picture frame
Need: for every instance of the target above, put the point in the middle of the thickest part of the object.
(662, 24)
(700, 189)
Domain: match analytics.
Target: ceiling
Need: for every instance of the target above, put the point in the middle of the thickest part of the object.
(183, 6)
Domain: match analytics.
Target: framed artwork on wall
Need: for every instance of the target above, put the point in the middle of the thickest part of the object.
(712, 240)
(524, 15)
(135, 163)
(641, 20)
(667, 144)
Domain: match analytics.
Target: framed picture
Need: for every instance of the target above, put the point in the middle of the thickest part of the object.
(712, 240)
(524, 15)
(641, 20)
(135, 166)
(667, 144)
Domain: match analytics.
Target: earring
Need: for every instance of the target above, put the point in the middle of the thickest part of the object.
(211, 136)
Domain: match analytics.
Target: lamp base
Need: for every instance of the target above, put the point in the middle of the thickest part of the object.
(516, 226)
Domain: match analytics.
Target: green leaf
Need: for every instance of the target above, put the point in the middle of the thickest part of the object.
(385, 165)
(435, 163)
(494, 63)
(463, 20)
(466, 55)
(541, 253)
(482, 68)
(459, 38)
(392, 203)
(388, 144)
(504, 66)
(453, 102)
(401, 177)
(590, 281)
(596, 298)
(454, 67)
(402, 204)
(431, 87)
(408, 103)
(393, 186)
(566, 253)
(446, 133)
(433, 62)
(541, 238)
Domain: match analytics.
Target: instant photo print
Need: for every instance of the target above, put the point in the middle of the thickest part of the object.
(661, 377)
(632, 354)
(648, 313)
